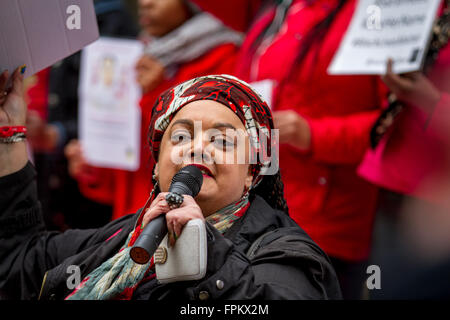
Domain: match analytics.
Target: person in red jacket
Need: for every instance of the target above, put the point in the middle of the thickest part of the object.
(181, 43)
(324, 120)
(410, 152)
(410, 161)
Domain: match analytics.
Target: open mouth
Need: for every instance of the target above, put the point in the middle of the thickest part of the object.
(205, 171)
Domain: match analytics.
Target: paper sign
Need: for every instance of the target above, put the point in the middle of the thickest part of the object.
(39, 33)
(109, 113)
(265, 90)
(382, 29)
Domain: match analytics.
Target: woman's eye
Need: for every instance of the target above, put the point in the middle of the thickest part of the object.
(222, 142)
(180, 137)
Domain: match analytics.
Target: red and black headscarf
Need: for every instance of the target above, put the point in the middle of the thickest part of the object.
(248, 105)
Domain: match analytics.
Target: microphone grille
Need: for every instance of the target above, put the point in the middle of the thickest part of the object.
(191, 176)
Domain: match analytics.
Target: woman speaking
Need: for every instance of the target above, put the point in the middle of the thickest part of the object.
(237, 200)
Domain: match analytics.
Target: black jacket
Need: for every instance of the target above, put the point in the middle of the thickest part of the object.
(284, 264)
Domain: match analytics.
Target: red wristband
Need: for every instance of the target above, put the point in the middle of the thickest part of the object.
(6, 132)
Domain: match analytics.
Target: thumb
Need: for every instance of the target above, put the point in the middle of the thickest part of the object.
(3, 80)
(17, 79)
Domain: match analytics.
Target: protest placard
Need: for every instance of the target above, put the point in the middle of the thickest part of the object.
(382, 29)
(109, 112)
(36, 34)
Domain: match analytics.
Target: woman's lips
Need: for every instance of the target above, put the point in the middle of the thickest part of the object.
(205, 171)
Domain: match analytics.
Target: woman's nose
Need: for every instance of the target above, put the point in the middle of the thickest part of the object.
(200, 152)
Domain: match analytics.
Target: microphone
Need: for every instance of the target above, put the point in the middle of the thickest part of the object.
(188, 180)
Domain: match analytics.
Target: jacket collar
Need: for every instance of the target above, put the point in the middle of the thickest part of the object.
(259, 219)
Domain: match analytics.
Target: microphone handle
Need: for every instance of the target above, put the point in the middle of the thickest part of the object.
(149, 240)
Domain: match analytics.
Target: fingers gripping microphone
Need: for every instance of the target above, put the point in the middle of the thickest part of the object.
(187, 181)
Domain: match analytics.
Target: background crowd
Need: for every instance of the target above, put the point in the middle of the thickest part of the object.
(369, 185)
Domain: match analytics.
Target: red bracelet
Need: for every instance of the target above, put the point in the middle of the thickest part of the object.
(6, 132)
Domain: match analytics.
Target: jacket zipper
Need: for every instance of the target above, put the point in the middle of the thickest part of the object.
(42, 285)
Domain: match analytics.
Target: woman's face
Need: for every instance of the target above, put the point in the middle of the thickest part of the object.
(159, 17)
(209, 135)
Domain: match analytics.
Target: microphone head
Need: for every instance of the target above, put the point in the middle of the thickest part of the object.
(188, 181)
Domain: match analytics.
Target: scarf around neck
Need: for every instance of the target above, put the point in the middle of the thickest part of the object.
(192, 39)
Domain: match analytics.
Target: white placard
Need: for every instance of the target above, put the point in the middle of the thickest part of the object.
(39, 33)
(109, 114)
(265, 90)
(382, 29)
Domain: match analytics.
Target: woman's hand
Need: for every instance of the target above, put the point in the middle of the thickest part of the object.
(42, 136)
(294, 129)
(177, 218)
(75, 159)
(13, 109)
(150, 73)
(413, 88)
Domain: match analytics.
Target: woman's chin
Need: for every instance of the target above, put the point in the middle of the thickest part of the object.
(205, 194)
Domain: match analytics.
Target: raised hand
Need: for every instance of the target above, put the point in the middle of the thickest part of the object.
(413, 88)
(294, 129)
(149, 73)
(12, 104)
(13, 110)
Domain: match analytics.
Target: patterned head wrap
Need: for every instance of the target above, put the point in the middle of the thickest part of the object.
(232, 93)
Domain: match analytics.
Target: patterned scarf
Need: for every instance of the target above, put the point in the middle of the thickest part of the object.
(116, 278)
(119, 276)
(223, 219)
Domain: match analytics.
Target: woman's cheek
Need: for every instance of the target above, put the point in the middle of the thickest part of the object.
(178, 154)
(225, 156)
